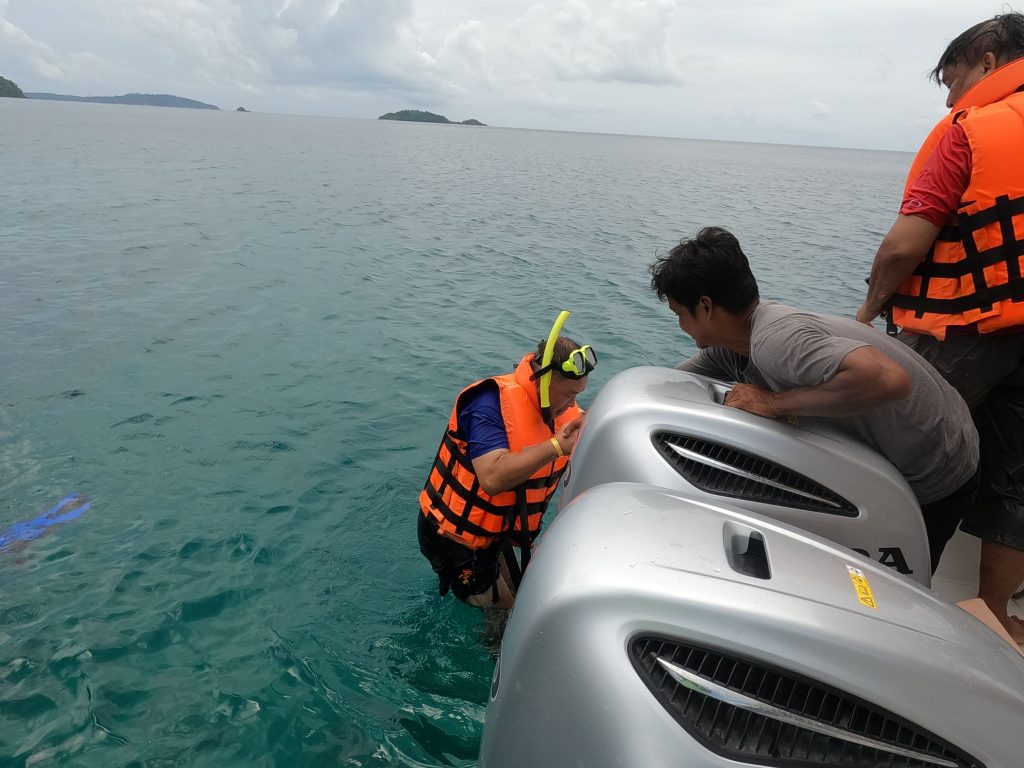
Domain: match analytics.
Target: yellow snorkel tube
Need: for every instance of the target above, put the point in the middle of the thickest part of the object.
(545, 380)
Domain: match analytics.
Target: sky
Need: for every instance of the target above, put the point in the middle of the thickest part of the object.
(851, 73)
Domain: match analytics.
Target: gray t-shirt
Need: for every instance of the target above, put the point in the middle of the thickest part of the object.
(929, 436)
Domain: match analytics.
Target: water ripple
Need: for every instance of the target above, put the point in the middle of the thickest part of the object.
(242, 341)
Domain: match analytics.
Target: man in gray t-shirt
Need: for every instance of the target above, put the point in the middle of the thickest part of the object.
(789, 362)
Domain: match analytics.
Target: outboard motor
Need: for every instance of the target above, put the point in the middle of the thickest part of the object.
(653, 629)
(671, 429)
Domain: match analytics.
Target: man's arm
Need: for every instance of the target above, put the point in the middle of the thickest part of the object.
(904, 247)
(930, 203)
(712, 363)
(866, 378)
(502, 469)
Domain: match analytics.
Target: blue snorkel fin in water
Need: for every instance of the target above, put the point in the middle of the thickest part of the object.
(65, 510)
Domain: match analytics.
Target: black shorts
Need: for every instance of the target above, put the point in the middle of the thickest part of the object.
(998, 513)
(988, 371)
(942, 516)
(464, 571)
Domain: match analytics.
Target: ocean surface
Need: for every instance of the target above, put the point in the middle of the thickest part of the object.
(239, 336)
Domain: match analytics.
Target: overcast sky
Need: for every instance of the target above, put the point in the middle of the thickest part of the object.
(845, 73)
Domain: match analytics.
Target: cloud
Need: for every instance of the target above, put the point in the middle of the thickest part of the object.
(41, 57)
(463, 53)
(821, 109)
(619, 41)
(17, 45)
(263, 44)
(808, 72)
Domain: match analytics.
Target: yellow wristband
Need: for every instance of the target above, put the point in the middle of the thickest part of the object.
(558, 447)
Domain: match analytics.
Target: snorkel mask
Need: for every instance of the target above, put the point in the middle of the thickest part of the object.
(579, 363)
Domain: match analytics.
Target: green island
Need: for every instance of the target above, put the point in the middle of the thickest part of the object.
(419, 116)
(136, 99)
(10, 89)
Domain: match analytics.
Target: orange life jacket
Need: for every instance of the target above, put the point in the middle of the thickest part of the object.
(971, 279)
(452, 494)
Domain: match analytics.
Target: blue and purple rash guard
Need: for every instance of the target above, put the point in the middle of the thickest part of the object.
(480, 421)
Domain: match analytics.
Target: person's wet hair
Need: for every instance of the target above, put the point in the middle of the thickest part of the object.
(564, 346)
(712, 264)
(1002, 35)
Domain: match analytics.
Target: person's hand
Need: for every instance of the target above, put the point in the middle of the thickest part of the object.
(866, 315)
(753, 399)
(569, 434)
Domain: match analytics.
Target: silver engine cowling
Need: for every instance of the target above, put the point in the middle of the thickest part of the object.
(671, 429)
(656, 630)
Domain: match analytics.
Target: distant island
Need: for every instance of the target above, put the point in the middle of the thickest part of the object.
(136, 99)
(10, 89)
(419, 116)
(241, 109)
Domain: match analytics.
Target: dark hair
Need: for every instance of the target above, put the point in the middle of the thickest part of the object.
(1002, 35)
(712, 264)
(564, 346)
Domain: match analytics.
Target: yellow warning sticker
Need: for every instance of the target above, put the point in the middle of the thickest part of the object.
(861, 587)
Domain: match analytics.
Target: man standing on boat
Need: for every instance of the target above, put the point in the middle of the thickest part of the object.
(506, 445)
(793, 363)
(949, 275)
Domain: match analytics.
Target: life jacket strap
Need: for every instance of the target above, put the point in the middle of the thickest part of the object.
(469, 495)
(974, 262)
(454, 517)
(1011, 291)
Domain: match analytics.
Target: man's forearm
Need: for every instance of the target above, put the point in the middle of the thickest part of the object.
(889, 271)
(904, 247)
(509, 470)
(846, 394)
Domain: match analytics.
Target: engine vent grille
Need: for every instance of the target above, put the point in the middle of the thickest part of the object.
(725, 471)
(752, 712)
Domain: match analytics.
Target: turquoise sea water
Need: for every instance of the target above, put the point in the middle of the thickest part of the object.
(239, 335)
